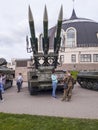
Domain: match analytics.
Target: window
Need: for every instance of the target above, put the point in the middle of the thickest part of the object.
(71, 37)
(85, 58)
(62, 58)
(73, 58)
(97, 35)
(95, 58)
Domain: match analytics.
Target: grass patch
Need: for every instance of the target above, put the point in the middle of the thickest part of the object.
(31, 122)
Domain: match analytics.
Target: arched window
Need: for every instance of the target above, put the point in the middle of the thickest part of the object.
(70, 37)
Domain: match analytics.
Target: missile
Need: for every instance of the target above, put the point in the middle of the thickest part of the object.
(45, 23)
(45, 32)
(59, 25)
(57, 39)
(31, 24)
(33, 39)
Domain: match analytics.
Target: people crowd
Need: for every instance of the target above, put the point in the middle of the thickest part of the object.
(19, 81)
(68, 82)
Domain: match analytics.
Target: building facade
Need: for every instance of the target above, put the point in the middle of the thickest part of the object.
(79, 43)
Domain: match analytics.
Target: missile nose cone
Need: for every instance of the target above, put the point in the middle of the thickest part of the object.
(30, 15)
(61, 14)
(45, 18)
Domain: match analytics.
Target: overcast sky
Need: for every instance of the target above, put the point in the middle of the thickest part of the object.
(14, 21)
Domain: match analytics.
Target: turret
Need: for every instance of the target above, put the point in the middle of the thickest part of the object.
(45, 56)
(39, 78)
(3, 62)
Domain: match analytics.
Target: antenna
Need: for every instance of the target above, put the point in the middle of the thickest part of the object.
(73, 3)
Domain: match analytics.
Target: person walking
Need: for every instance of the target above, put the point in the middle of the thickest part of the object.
(1, 98)
(19, 82)
(3, 82)
(68, 83)
(54, 83)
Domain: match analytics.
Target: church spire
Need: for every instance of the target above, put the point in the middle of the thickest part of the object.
(73, 16)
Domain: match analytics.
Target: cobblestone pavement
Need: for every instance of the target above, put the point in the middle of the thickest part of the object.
(84, 103)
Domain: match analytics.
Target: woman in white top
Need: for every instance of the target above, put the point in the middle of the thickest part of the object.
(19, 82)
(54, 83)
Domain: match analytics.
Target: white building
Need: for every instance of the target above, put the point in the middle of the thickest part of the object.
(79, 43)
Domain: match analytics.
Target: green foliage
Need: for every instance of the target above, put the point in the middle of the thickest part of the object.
(74, 74)
(33, 122)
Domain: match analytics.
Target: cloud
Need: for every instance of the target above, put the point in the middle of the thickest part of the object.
(13, 41)
(14, 24)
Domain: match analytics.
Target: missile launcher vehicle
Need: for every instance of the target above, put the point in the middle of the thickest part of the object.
(88, 79)
(7, 72)
(39, 77)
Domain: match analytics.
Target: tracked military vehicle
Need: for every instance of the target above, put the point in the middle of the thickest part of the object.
(9, 73)
(88, 79)
(39, 77)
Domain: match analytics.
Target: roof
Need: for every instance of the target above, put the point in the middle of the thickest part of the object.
(86, 30)
(73, 16)
(3, 61)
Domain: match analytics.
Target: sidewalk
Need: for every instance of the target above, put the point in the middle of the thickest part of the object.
(84, 103)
